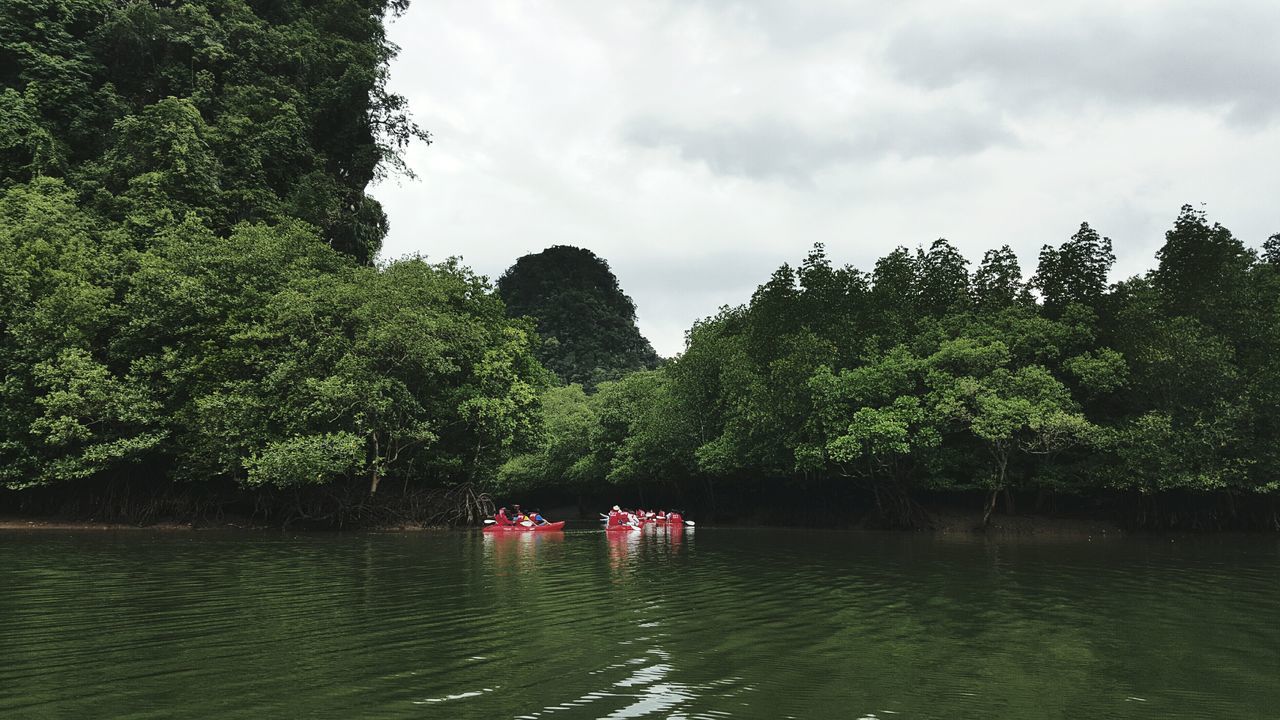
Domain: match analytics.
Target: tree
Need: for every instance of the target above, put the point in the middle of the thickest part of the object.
(67, 410)
(1202, 271)
(1076, 272)
(998, 284)
(943, 280)
(1008, 410)
(895, 294)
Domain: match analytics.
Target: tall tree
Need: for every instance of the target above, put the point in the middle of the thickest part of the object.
(1202, 270)
(1076, 272)
(943, 279)
(998, 283)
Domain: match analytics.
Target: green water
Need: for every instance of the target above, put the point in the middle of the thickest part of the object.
(706, 624)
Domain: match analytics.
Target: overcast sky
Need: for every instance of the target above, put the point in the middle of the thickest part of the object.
(696, 146)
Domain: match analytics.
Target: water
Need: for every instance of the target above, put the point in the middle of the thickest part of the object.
(706, 624)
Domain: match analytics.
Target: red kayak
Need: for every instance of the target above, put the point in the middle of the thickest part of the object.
(621, 528)
(549, 527)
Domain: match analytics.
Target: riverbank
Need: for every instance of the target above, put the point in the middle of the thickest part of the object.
(948, 521)
(944, 520)
(953, 521)
(27, 523)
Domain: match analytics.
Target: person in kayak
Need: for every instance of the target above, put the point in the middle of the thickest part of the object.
(501, 517)
(617, 518)
(537, 518)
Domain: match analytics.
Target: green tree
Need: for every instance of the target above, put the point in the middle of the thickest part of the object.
(998, 283)
(1202, 272)
(1076, 272)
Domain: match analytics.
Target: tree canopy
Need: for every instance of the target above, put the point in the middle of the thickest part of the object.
(232, 110)
(921, 379)
(188, 300)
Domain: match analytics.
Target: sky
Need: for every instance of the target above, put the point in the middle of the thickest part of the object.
(696, 145)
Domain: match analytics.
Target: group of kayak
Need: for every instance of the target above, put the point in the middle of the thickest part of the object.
(617, 519)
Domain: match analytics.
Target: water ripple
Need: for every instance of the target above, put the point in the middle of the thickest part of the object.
(716, 624)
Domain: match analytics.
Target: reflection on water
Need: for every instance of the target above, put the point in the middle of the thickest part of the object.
(660, 623)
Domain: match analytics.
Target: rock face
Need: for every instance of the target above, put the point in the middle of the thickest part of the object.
(588, 325)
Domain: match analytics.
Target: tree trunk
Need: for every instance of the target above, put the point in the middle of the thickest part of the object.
(1002, 462)
(991, 505)
(374, 478)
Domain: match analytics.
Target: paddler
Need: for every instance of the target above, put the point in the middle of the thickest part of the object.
(537, 518)
(616, 517)
(501, 517)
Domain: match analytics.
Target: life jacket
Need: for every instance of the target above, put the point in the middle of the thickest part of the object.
(502, 519)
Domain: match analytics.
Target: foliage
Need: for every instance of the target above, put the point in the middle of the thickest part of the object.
(586, 323)
(920, 376)
(186, 262)
(236, 110)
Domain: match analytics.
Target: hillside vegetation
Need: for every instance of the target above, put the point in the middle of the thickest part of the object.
(190, 319)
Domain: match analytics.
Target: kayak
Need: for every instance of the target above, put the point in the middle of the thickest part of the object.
(549, 527)
(621, 528)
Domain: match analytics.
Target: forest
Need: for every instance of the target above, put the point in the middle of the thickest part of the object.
(192, 319)
(194, 322)
(1151, 400)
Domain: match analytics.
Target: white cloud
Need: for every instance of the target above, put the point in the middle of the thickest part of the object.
(696, 146)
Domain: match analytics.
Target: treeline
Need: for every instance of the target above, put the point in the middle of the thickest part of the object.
(1154, 398)
(190, 319)
(191, 322)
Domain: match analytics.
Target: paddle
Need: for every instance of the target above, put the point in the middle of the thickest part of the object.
(490, 521)
(690, 523)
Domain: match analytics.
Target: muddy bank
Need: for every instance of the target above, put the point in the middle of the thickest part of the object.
(952, 521)
(29, 523)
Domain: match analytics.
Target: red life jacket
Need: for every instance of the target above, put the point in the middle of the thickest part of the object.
(502, 519)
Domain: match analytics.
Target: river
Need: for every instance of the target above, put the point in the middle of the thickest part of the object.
(712, 623)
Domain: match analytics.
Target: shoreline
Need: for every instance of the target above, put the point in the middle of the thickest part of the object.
(949, 521)
(23, 523)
